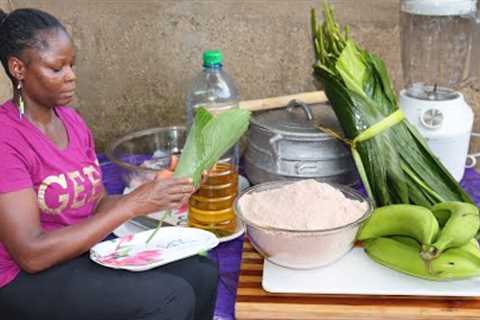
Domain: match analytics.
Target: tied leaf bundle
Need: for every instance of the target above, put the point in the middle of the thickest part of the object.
(208, 140)
(393, 160)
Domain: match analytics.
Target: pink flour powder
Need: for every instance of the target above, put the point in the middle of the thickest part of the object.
(303, 205)
(306, 205)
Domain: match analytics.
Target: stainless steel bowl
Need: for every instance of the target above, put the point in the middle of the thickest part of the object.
(302, 249)
(144, 153)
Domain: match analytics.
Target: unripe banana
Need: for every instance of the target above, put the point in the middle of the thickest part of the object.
(398, 256)
(401, 219)
(408, 241)
(443, 211)
(405, 257)
(471, 247)
(462, 225)
(456, 263)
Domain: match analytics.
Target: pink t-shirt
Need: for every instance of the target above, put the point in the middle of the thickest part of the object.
(67, 182)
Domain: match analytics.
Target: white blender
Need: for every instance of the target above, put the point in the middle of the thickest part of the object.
(437, 61)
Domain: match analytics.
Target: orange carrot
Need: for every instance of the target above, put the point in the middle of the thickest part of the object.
(173, 162)
(164, 174)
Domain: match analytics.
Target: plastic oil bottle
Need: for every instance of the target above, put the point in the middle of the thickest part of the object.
(210, 208)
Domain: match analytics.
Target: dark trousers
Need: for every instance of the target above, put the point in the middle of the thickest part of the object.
(82, 290)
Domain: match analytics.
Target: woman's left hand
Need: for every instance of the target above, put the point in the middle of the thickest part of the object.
(162, 193)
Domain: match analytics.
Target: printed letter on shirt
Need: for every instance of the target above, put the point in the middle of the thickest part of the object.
(93, 175)
(78, 188)
(62, 199)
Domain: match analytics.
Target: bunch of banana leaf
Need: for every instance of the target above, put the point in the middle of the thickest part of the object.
(393, 160)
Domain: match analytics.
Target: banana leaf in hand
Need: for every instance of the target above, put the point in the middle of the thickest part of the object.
(208, 140)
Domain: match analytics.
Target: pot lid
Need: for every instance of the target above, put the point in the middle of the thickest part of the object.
(297, 118)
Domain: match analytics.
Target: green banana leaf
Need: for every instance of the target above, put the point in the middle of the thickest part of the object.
(397, 164)
(223, 133)
(209, 139)
(189, 165)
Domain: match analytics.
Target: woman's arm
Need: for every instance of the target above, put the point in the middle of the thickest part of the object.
(36, 250)
(107, 201)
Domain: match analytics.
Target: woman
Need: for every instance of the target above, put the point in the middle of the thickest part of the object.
(53, 207)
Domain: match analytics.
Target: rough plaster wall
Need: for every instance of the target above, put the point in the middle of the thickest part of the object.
(136, 58)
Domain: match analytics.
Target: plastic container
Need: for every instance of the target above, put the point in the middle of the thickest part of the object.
(213, 88)
(211, 207)
(436, 40)
(302, 249)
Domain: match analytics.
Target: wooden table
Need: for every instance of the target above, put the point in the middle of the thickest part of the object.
(255, 303)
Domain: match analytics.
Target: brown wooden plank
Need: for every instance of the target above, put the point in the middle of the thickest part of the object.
(267, 311)
(251, 255)
(252, 266)
(247, 244)
(250, 279)
(261, 296)
(251, 272)
(255, 303)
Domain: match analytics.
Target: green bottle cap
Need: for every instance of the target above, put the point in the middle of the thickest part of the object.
(212, 57)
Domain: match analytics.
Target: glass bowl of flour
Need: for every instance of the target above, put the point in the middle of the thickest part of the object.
(303, 224)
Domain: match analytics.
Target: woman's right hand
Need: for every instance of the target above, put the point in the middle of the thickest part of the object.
(162, 193)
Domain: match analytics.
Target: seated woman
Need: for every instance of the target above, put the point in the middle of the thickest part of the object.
(53, 207)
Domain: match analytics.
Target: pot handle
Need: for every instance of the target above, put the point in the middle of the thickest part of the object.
(308, 167)
(300, 104)
(275, 146)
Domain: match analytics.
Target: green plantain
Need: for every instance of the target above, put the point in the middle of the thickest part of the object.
(461, 222)
(472, 247)
(405, 257)
(402, 220)
(408, 241)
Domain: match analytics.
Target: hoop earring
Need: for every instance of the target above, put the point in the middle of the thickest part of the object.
(21, 104)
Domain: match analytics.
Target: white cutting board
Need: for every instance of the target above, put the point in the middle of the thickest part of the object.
(355, 274)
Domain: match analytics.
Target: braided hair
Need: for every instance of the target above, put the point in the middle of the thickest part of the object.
(20, 30)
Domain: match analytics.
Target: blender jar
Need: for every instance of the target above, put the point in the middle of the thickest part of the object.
(436, 42)
(438, 60)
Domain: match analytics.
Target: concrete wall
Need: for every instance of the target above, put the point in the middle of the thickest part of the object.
(136, 58)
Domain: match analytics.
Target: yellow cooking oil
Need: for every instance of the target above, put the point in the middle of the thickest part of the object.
(211, 207)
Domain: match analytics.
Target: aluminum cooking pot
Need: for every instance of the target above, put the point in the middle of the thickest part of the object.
(287, 144)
